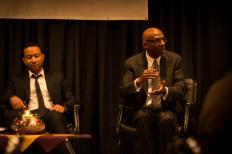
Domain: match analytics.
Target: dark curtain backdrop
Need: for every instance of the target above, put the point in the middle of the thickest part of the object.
(91, 54)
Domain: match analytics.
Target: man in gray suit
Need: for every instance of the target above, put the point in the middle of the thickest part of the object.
(155, 120)
(21, 92)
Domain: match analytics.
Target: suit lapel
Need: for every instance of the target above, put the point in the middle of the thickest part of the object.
(142, 65)
(165, 66)
(26, 87)
(49, 81)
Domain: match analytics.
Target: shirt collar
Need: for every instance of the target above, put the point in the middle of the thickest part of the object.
(151, 59)
(41, 73)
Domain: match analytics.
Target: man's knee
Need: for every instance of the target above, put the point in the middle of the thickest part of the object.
(168, 117)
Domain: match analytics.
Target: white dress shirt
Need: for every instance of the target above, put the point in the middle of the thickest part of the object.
(33, 102)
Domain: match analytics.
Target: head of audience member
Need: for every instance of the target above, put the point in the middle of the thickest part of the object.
(153, 41)
(214, 123)
(33, 57)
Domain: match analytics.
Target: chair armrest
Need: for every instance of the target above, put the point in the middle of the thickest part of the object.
(119, 119)
(186, 116)
(127, 130)
(76, 119)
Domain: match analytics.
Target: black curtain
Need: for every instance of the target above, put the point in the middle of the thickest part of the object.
(91, 54)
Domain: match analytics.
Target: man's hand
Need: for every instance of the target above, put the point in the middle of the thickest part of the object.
(59, 108)
(17, 103)
(160, 90)
(147, 74)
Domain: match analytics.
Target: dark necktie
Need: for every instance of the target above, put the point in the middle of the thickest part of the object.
(41, 109)
(156, 99)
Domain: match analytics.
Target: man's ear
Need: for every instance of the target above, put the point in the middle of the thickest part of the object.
(145, 45)
(43, 56)
(24, 60)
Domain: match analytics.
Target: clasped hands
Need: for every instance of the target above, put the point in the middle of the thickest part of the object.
(152, 73)
(17, 103)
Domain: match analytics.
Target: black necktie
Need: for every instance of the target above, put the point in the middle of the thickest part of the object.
(42, 108)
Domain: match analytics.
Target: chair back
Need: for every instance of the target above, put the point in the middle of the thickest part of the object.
(191, 98)
(73, 119)
(122, 128)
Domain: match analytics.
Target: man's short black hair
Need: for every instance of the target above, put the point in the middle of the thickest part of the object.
(29, 44)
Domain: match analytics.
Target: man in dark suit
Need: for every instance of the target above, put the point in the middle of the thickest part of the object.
(21, 92)
(155, 120)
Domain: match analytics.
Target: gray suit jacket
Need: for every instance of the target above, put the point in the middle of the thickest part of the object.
(170, 70)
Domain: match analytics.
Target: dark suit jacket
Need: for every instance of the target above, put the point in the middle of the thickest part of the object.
(58, 88)
(170, 70)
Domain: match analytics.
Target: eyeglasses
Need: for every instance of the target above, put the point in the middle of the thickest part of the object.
(157, 40)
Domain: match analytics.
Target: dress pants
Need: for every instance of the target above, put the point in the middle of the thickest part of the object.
(155, 130)
(54, 122)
